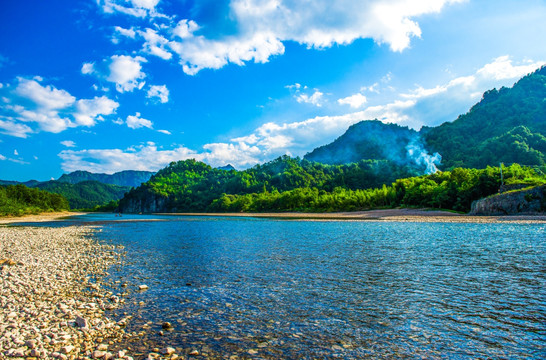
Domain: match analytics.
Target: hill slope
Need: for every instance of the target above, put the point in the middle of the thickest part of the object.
(507, 125)
(366, 140)
(192, 186)
(85, 194)
(131, 178)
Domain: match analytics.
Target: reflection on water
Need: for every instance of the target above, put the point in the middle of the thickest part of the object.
(262, 288)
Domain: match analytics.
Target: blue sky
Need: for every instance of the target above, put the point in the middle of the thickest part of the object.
(112, 85)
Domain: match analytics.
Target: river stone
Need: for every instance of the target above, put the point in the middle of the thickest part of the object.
(97, 354)
(143, 287)
(167, 351)
(167, 325)
(81, 322)
(67, 349)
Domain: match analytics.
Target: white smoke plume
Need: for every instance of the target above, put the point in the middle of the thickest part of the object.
(417, 153)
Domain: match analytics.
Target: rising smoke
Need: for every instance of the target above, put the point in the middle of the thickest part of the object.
(421, 157)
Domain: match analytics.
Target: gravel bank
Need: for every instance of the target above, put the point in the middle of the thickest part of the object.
(52, 301)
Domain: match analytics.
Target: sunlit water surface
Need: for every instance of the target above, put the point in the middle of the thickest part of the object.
(266, 288)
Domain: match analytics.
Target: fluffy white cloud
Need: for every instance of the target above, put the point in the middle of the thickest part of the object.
(2, 157)
(160, 92)
(197, 52)
(166, 132)
(146, 157)
(355, 101)
(88, 111)
(263, 25)
(13, 128)
(315, 99)
(120, 33)
(126, 72)
(155, 44)
(502, 68)
(137, 8)
(46, 97)
(54, 110)
(88, 68)
(68, 143)
(135, 122)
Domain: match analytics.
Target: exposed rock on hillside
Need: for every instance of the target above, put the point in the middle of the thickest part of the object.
(528, 201)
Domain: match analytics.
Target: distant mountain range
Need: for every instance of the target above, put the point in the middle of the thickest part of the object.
(130, 178)
(86, 190)
(507, 125)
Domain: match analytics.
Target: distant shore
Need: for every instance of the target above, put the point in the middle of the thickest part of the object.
(399, 215)
(407, 215)
(51, 216)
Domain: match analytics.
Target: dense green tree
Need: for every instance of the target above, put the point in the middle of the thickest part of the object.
(17, 200)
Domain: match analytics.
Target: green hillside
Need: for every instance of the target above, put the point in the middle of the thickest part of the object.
(85, 194)
(367, 140)
(18, 200)
(507, 125)
(192, 186)
(131, 178)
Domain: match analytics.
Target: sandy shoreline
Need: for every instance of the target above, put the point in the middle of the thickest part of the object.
(52, 216)
(401, 215)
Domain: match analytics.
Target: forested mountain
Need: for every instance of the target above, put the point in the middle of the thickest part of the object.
(85, 194)
(507, 125)
(367, 140)
(30, 183)
(131, 178)
(20, 200)
(192, 186)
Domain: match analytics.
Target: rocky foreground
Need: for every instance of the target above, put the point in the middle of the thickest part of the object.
(52, 304)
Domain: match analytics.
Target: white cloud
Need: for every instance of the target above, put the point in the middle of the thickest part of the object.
(315, 99)
(185, 28)
(159, 91)
(263, 25)
(166, 132)
(13, 128)
(355, 101)
(135, 122)
(146, 157)
(120, 32)
(88, 68)
(68, 143)
(88, 111)
(145, 4)
(126, 72)
(2, 157)
(54, 110)
(197, 52)
(155, 44)
(15, 152)
(502, 68)
(46, 97)
(137, 8)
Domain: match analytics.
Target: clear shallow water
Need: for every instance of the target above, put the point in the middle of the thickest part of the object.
(302, 289)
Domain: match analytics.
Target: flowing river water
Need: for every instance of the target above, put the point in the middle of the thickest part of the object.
(273, 289)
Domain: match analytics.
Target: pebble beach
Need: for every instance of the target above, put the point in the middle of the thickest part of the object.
(52, 297)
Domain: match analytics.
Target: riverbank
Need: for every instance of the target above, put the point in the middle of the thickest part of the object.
(43, 217)
(52, 295)
(401, 215)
